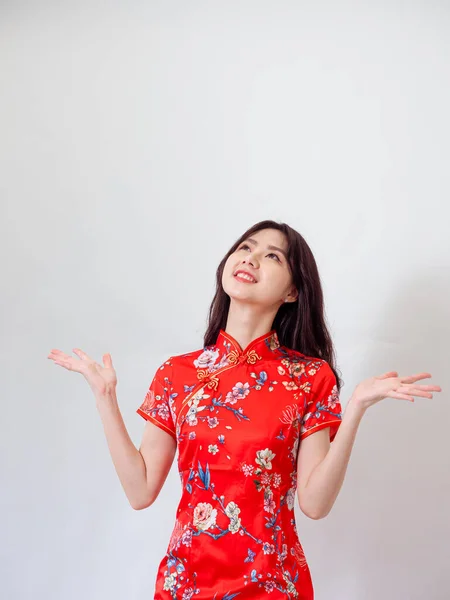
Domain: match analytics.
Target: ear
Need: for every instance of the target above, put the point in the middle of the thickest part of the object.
(293, 294)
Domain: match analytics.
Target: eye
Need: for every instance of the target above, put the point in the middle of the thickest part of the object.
(270, 254)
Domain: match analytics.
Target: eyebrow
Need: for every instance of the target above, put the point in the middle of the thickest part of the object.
(269, 247)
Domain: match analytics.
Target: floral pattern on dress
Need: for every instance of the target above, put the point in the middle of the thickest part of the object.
(238, 418)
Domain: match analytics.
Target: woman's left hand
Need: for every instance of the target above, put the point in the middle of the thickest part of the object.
(390, 385)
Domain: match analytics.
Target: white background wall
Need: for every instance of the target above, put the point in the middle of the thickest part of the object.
(138, 140)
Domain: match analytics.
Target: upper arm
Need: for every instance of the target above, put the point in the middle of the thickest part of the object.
(158, 449)
(320, 422)
(311, 452)
(159, 441)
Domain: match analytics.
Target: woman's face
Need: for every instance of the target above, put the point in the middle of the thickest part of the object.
(262, 256)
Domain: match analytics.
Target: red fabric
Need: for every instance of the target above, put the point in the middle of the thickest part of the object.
(238, 417)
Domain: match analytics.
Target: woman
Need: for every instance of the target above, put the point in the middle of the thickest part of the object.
(252, 414)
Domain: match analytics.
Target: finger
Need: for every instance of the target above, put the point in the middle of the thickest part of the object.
(64, 363)
(426, 388)
(58, 354)
(399, 396)
(388, 374)
(107, 361)
(420, 393)
(81, 354)
(68, 362)
(413, 378)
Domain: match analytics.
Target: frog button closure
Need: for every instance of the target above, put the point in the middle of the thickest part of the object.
(252, 356)
(207, 378)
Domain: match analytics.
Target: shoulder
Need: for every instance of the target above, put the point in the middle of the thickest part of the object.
(183, 369)
(190, 359)
(188, 363)
(308, 366)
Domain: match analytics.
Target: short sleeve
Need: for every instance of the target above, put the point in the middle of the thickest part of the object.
(324, 407)
(157, 406)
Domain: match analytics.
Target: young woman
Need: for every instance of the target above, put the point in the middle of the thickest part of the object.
(252, 414)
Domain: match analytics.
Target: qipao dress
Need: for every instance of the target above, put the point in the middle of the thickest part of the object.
(238, 417)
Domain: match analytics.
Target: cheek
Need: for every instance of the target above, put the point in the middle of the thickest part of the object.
(227, 270)
(227, 267)
(275, 281)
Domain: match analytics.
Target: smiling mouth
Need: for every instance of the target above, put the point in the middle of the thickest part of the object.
(244, 278)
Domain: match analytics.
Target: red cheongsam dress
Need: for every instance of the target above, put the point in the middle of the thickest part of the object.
(238, 417)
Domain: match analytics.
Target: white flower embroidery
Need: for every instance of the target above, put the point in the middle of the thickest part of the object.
(232, 509)
(263, 458)
(170, 581)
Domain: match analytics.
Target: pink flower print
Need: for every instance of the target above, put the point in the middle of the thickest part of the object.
(281, 371)
(204, 516)
(213, 422)
(333, 398)
(186, 538)
(239, 391)
(191, 416)
(206, 359)
(290, 385)
(188, 593)
(296, 369)
(268, 548)
(269, 504)
(265, 478)
(247, 470)
(276, 480)
(180, 536)
(163, 411)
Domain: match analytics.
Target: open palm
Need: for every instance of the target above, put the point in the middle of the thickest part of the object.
(101, 378)
(390, 385)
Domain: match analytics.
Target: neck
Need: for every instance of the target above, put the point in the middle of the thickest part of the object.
(246, 323)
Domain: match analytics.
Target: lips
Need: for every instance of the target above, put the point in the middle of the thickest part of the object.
(244, 272)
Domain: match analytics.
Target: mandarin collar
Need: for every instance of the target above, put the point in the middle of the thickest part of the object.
(261, 347)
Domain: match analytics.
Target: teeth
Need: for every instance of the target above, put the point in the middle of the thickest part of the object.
(245, 276)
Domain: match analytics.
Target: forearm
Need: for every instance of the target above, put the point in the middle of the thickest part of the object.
(128, 461)
(326, 479)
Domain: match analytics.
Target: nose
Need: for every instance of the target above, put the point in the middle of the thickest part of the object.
(252, 260)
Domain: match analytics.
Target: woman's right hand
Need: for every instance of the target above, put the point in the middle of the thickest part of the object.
(101, 379)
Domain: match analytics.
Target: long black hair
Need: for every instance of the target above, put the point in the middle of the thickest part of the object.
(300, 325)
